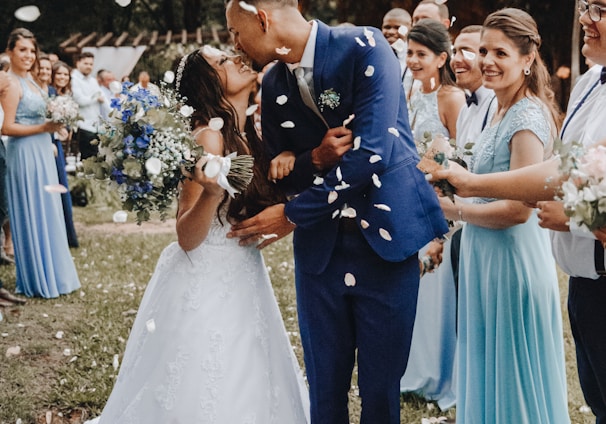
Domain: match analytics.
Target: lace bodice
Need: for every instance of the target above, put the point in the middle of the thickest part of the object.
(32, 106)
(424, 116)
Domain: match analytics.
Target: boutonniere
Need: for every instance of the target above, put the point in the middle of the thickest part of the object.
(329, 98)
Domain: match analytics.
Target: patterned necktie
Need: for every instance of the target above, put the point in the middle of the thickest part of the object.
(304, 89)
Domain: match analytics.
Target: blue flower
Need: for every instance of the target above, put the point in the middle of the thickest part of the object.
(142, 142)
(118, 176)
(126, 114)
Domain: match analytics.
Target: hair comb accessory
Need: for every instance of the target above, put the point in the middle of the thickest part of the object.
(180, 71)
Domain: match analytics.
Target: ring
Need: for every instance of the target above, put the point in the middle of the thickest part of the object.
(268, 236)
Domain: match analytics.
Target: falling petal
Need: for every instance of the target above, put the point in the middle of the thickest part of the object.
(385, 234)
(469, 55)
(394, 131)
(318, 180)
(356, 143)
(268, 236)
(251, 110)
(370, 71)
(349, 279)
(403, 30)
(360, 42)
(55, 188)
(120, 217)
(332, 196)
(399, 45)
(453, 20)
(281, 99)
(375, 158)
(432, 83)
(216, 124)
(376, 181)
(348, 120)
(169, 77)
(349, 213)
(123, 3)
(283, 50)
(248, 7)
(115, 87)
(364, 224)
(335, 214)
(383, 207)
(151, 325)
(370, 37)
(59, 335)
(342, 186)
(287, 124)
(338, 173)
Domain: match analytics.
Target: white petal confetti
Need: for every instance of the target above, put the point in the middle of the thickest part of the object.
(432, 83)
(153, 166)
(73, 359)
(116, 362)
(350, 279)
(370, 37)
(335, 214)
(13, 351)
(281, 99)
(370, 71)
(348, 120)
(318, 180)
(151, 325)
(469, 55)
(287, 124)
(585, 409)
(394, 131)
(169, 77)
(453, 20)
(248, 7)
(360, 42)
(49, 417)
(399, 45)
(375, 158)
(67, 352)
(364, 224)
(283, 50)
(356, 143)
(385, 234)
(268, 236)
(115, 87)
(349, 213)
(120, 217)
(55, 188)
(342, 186)
(376, 181)
(59, 335)
(403, 30)
(216, 124)
(251, 110)
(338, 173)
(383, 207)
(332, 196)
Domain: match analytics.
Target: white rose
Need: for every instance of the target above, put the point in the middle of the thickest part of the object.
(186, 111)
(153, 166)
(169, 77)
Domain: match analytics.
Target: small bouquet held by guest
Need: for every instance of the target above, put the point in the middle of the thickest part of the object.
(145, 144)
(584, 190)
(63, 110)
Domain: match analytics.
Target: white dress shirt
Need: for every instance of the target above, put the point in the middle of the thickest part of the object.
(86, 91)
(473, 118)
(574, 250)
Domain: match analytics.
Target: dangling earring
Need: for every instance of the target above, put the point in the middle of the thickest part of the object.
(527, 71)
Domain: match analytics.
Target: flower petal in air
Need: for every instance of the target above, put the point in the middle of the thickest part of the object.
(115, 87)
(364, 224)
(385, 234)
(453, 19)
(283, 50)
(432, 83)
(150, 324)
(216, 124)
(153, 166)
(335, 214)
(403, 30)
(342, 186)
(349, 279)
(370, 71)
(349, 212)
(383, 207)
(348, 120)
(169, 77)
(287, 124)
(394, 131)
(251, 109)
(376, 181)
(281, 99)
(339, 174)
(469, 55)
(375, 158)
(370, 37)
(55, 188)
(318, 180)
(360, 42)
(399, 45)
(356, 143)
(248, 7)
(332, 196)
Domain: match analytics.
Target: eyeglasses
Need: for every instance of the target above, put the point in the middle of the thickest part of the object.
(595, 11)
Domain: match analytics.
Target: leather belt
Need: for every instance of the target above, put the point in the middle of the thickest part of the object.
(598, 257)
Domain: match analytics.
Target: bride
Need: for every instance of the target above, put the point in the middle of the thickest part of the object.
(208, 344)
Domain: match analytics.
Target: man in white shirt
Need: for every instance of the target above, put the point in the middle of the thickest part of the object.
(92, 102)
(144, 83)
(396, 24)
(105, 78)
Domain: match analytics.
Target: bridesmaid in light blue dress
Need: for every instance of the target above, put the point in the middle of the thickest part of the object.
(44, 264)
(511, 365)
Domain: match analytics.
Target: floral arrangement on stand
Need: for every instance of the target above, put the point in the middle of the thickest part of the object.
(583, 191)
(145, 144)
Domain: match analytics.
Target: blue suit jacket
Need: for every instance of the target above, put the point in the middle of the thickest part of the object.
(395, 206)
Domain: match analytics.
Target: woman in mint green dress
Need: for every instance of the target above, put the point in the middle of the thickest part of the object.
(510, 346)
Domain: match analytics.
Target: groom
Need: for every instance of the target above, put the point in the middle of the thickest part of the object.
(359, 220)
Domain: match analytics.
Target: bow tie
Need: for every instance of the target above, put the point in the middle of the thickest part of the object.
(603, 75)
(472, 98)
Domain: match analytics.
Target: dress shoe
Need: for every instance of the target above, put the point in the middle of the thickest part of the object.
(6, 295)
(4, 302)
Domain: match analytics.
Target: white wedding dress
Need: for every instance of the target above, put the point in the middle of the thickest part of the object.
(208, 344)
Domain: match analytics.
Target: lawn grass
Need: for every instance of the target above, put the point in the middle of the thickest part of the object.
(69, 378)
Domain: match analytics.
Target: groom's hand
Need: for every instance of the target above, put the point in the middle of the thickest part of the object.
(264, 228)
(336, 142)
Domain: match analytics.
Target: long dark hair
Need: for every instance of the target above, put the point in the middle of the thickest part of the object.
(67, 90)
(433, 35)
(25, 34)
(200, 85)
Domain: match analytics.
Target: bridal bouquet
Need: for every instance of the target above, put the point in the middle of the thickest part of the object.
(144, 145)
(63, 110)
(584, 190)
